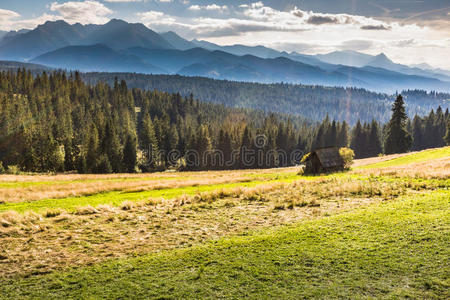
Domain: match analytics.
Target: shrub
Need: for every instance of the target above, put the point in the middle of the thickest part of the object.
(347, 155)
(13, 170)
(2, 168)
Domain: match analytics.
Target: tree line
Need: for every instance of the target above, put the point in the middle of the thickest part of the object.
(55, 122)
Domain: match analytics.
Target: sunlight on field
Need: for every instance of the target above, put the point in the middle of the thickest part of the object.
(417, 157)
(168, 228)
(284, 262)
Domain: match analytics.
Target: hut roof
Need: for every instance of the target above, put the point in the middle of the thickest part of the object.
(329, 157)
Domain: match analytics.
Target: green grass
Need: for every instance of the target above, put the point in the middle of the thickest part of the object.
(389, 250)
(118, 197)
(412, 158)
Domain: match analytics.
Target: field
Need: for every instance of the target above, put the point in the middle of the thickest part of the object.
(380, 230)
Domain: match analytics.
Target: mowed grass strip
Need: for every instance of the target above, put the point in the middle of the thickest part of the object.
(116, 198)
(422, 156)
(389, 250)
(25, 184)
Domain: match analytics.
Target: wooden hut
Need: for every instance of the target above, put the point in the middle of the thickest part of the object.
(324, 160)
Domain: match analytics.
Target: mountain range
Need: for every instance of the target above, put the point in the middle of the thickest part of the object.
(118, 46)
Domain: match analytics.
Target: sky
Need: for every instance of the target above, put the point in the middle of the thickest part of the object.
(407, 31)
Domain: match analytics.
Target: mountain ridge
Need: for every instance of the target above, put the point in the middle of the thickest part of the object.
(146, 51)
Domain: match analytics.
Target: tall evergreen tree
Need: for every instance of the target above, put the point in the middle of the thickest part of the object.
(447, 135)
(148, 141)
(129, 154)
(398, 139)
(358, 140)
(417, 132)
(343, 135)
(374, 141)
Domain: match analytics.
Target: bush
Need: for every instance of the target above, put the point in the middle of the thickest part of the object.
(347, 155)
(2, 168)
(13, 170)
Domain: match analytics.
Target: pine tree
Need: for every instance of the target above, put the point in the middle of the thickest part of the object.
(148, 141)
(129, 154)
(112, 148)
(92, 149)
(398, 139)
(374, 142)
(417, 132)
(246, 146)
(358, 140)
(343, 135)
(225, 147)
(439, 128)
(333, 135)
(447, 135)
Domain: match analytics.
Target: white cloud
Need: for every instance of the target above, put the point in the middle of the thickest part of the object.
(87, 12)
(6, 15)
(9, 20)
(156, 18)
(211, 7)
(311, 32)
(122, 1)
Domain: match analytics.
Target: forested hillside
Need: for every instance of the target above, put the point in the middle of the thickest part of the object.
(56, 122)
(313, 102)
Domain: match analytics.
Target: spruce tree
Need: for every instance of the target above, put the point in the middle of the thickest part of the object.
(398, 139)
(447, 135)
(343, 135)
(148, 141)
(129, 154)
(374, 142)
(358, 140)
(417, 132)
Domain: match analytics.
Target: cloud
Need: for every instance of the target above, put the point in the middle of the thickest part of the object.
(375, 27)
(6, 15)
(156, 18)
(9, 20)
(122, 1)
(211, 7)
(254, 17)
(87, 12)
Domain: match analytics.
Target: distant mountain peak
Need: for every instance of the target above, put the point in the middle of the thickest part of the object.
(382, 55)
(117, 22)
(53, 24)
(381, 59)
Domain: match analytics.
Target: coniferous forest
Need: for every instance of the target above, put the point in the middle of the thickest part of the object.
(339, 103)
(54, 122)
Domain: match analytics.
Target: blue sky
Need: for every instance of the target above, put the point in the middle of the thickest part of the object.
(408, 31)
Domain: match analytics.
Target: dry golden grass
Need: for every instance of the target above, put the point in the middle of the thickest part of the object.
(36, 244)
(157, 175)
(432, 169)
(374, 160)
(64, 185)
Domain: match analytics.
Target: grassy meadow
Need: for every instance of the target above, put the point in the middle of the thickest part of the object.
(381, 230)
